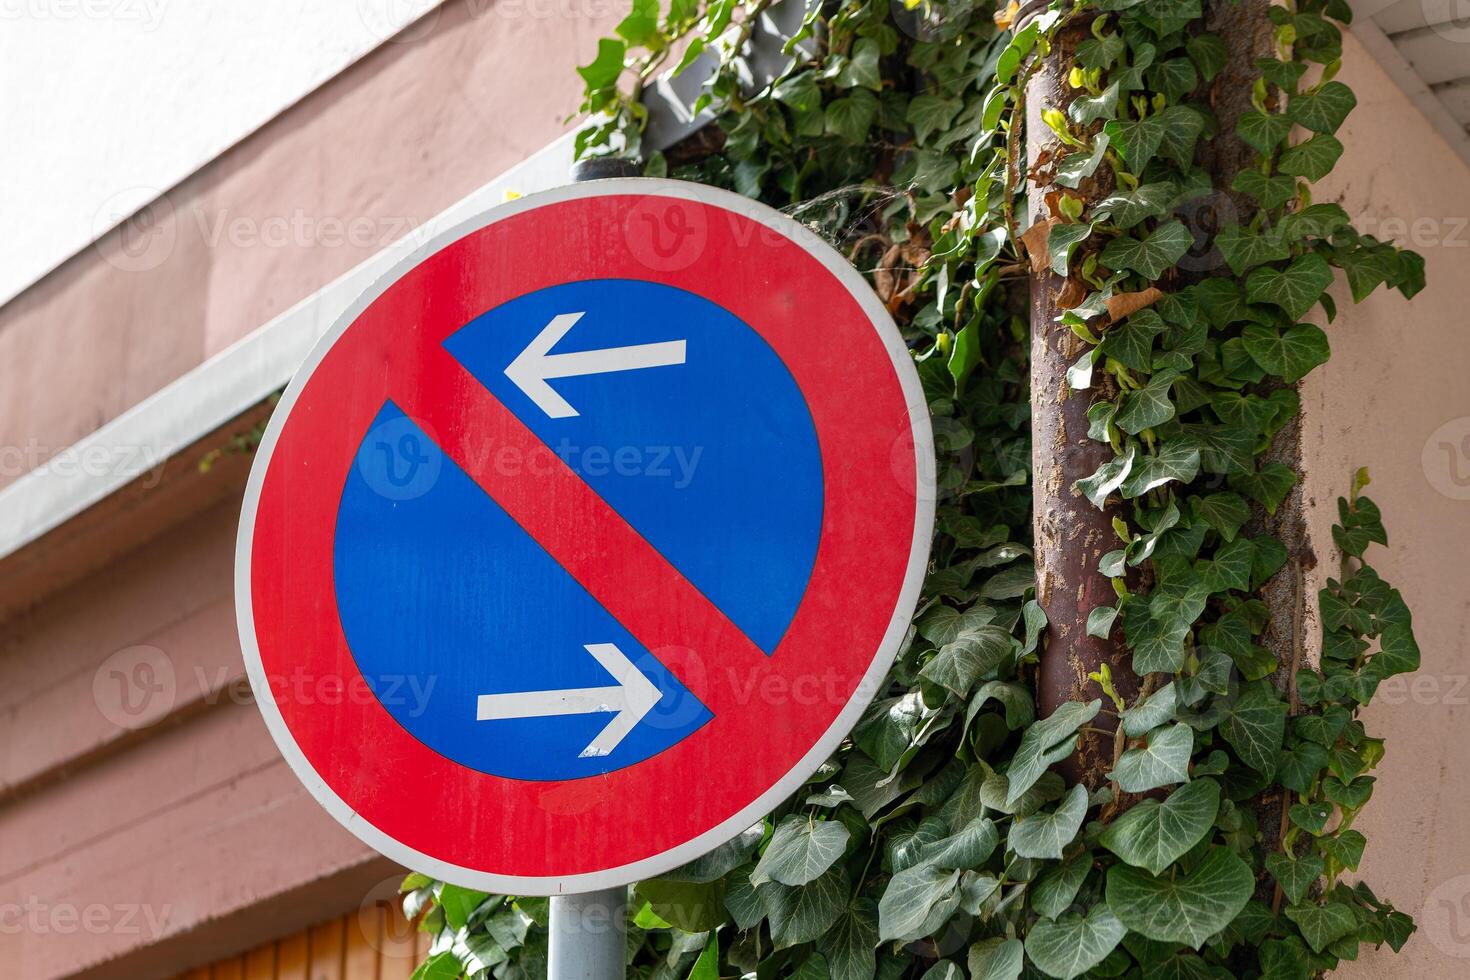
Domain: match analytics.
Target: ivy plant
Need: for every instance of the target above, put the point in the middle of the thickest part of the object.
(940, 841)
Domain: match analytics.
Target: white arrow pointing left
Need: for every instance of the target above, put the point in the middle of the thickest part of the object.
(630, 698)
(536, 363)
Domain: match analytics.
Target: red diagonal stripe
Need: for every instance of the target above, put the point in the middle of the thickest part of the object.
(632, 580)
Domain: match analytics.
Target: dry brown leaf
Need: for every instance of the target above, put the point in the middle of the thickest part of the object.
(885, 283)
(1005, 17)
(1073, 292)
(1121, 305)
(1034, 238)
(1054, 198)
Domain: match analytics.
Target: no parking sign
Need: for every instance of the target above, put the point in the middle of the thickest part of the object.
(584, 537)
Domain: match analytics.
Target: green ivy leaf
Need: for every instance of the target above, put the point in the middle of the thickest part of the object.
(1270, 192)
(1149, 406)
(1175, 77)
(1077, 167)
(1131, 344)
(1324, 110)
(1152, 254)
(1043, 835)
(458, 903)
(1225, 512)
(1295, 289)
(1182, 126)
(440, 966)
(961, 663)
(1153, 835)
(1129, 208)
(1295, 877)
(928, 114)
(850, 943)
(1322, 925)
(1046, 742)
(1157, 709)
(1060, 241)
(1268, 486)
(800, 915)
(1245, 249)
(1255, 726)
(1163, 762)
(1312, 159)
(1087, 109)
(1289, 354)
(1174, 461)
(801, 92)
(1136, 141)
(1109, 477)
(1070, 946)
(1100, 621)
(1209, 53)
(1344, 848)
(801, 849)
(607, 66)
(996, 959)
(1055, 889)
(904, 911)
(852, 116)
(640, 27)
(861, 69)
(1188, 907)
(967, 849)
(1264, 131)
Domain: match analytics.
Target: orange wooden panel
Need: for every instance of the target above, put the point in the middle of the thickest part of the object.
(230, 969)
(400, 946)
(326, 950)
(360, 957)
(260, 964)
(291, 954)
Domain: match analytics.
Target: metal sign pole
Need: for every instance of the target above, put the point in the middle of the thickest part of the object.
(588, 936)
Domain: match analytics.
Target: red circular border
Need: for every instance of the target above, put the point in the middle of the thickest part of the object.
(554, 829)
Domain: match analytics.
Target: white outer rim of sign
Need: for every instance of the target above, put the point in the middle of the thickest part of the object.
(656, 864)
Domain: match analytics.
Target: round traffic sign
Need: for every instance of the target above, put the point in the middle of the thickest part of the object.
(585, 536)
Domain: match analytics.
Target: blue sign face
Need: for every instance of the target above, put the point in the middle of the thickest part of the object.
(680, 417)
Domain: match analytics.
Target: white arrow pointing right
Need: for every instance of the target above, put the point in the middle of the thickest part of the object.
(632, 697)
(536, 363)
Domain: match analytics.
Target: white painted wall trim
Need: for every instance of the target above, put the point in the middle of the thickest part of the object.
(1383, 51)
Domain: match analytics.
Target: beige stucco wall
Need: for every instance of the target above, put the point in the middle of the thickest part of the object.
(1396, 389)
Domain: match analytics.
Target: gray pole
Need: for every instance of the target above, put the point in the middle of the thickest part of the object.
(588, 936)
(589, 931)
